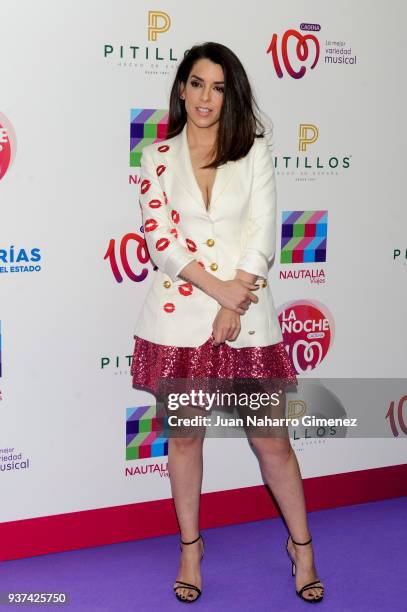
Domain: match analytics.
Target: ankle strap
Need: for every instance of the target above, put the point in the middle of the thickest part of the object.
(193, 541)
(300, 543)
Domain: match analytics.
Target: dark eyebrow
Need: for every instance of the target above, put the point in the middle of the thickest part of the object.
(199, 79)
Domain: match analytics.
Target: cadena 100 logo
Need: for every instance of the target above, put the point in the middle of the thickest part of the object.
(127, 256)
(8, 145)
(308, 332)
(397, 421)
(301, 50)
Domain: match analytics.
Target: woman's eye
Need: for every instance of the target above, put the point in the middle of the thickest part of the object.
(198, 84)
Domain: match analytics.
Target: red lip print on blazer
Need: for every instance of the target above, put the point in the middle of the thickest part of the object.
(237, 232)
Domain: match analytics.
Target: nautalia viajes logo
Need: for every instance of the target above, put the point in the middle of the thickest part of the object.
(303, 241)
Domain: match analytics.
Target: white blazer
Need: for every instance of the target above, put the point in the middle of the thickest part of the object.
(238, 231)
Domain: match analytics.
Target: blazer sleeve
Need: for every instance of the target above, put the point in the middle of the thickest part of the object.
(260, 242)
(166, 251)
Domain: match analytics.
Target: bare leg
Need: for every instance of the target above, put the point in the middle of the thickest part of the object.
(280, 470)
(185, 463)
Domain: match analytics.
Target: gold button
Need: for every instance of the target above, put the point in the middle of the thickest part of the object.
(167, 284)
(264, 283)
(251, 332)
(214, 267)
(210, 242)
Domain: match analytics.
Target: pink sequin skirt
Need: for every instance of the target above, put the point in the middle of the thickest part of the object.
(153, 362)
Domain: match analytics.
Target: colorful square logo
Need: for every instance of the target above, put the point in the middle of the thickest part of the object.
(146, 433)
(147, 125)
(303, 236)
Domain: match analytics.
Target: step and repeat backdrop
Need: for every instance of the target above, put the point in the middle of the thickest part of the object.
(84, 86)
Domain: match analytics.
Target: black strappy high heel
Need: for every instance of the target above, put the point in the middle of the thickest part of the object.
(183, 585)
(316, 584)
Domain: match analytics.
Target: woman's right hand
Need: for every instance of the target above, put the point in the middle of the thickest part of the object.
(236, 295)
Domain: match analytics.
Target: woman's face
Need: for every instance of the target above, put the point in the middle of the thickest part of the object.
(203, 93)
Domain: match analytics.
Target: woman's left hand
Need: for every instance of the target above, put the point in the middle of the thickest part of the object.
(226, 326)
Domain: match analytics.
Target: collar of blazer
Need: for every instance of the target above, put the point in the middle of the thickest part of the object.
(180, 159)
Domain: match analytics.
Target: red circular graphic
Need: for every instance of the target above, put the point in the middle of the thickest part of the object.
(191, 245)
(160, 169)
(150, 225)
(169, 307)
(301, 51)
(174, 232)
(308, 330)
(163, 148)
(155, 203)
(162, 244)
(185, 289)
(145, 186)
(8, 145)
(175, 216)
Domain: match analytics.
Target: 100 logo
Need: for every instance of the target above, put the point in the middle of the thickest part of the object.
(396, 417)
(139, 249)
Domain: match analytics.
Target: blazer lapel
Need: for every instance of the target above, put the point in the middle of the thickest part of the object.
(182, 167)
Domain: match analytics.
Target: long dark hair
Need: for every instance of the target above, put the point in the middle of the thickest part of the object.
(238, 121)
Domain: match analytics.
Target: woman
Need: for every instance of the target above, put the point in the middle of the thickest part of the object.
(208, 203)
